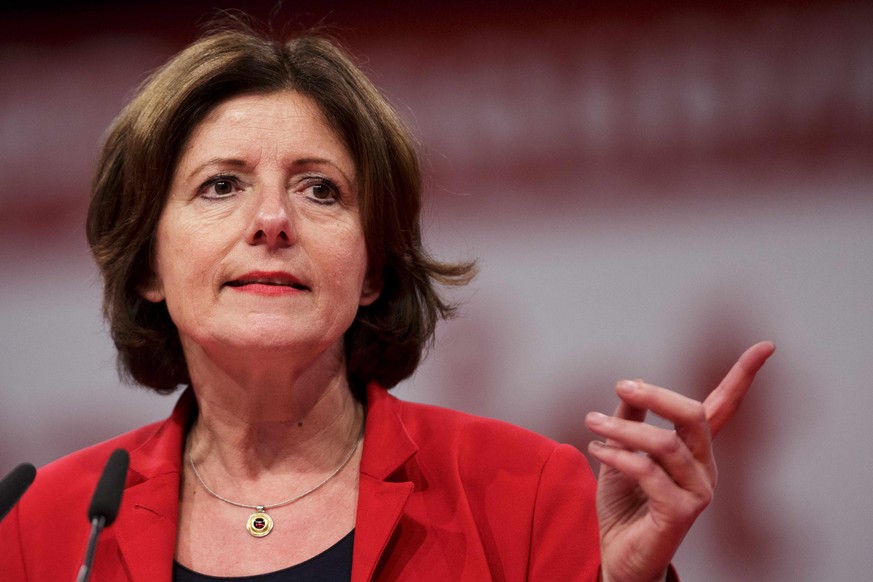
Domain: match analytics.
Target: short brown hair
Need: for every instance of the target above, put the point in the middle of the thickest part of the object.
(387, 338)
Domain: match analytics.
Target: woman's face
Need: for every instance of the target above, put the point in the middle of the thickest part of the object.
(260, 243)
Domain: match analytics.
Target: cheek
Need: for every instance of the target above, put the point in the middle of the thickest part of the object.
(354, 261)
(184, 266)
(344, 266)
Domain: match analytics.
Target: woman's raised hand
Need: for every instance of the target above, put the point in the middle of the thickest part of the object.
(654, 482)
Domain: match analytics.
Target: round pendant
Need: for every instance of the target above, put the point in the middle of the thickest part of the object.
(260, 523)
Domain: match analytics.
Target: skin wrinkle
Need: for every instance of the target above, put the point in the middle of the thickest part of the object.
(276, 413)
(317, 245)
(297, 215)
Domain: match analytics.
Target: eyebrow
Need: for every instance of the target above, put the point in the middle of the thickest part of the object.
(237, 163)
(232, 162)
(307, 161)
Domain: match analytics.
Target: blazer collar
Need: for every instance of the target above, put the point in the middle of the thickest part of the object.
(387, 444)
(147, 536)
(161, 453)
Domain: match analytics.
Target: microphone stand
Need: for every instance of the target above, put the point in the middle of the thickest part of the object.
(96, 527)
(104, 505)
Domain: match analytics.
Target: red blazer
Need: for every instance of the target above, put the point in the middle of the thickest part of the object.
(444, 496)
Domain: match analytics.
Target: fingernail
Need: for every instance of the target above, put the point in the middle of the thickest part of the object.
(596, 445)
(626, 386)
(596, 418)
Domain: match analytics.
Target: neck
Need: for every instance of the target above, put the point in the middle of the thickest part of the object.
(272, 420)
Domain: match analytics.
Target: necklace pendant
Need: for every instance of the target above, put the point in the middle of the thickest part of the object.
(260, 523)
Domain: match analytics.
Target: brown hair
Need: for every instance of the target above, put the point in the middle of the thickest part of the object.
(386, 340)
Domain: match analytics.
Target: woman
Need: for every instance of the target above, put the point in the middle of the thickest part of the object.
(256, 218)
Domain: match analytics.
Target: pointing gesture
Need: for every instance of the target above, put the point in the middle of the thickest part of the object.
(654, 482)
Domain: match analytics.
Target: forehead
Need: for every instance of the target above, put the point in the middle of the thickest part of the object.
(268, 126)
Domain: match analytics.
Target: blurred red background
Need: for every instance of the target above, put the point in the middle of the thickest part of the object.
(649, 187)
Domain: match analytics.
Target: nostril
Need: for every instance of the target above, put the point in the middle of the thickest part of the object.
(271, 231)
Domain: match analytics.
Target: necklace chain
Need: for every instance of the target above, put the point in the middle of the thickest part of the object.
(262, 508)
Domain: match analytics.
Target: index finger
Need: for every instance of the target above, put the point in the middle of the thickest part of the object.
(723, 402)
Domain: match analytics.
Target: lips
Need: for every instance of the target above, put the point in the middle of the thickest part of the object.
(271, 279)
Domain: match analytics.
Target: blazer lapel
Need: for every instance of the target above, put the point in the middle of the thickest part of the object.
(145, 530)
(383, 490)
(146, 526)
(147, 535)
(380, 506)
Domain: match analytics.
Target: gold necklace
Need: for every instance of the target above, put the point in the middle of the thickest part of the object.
(260, 523)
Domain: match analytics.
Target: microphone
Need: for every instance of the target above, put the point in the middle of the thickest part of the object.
(104, 505)
(14, 485)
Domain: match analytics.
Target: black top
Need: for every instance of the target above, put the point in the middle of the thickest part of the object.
(332, 565)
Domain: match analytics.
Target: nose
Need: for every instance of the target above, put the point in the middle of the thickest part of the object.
(272, 220)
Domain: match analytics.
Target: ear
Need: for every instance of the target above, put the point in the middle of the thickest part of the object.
(152, 289)
(371, 289)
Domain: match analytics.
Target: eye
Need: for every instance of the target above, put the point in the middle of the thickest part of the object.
(221, 186)
(322, 191)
